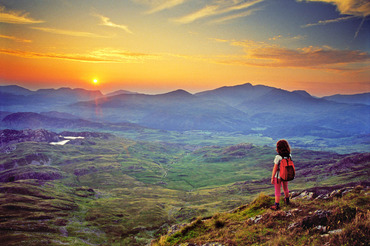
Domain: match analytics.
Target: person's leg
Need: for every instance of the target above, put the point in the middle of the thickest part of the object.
(277, 194)
(277, 190)
(286, 192)
(285, 188)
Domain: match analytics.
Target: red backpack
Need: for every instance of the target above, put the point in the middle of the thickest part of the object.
(287, 169)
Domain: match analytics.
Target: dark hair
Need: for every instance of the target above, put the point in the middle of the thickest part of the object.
(283, 148)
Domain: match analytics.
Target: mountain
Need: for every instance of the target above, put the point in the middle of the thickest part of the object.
(14, 98)
(56, 114)
(234, 95)
(176, 110)
(15, 90)
(63, 96)
(292, 114)
(248, 109)
(120, 92)
(59, 121)
(363, 98)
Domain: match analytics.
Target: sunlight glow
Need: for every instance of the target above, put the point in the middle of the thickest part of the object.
(95, 81)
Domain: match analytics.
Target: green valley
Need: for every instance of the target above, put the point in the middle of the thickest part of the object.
(109, 190)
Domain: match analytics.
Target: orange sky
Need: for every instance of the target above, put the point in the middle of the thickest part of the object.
(159, 46)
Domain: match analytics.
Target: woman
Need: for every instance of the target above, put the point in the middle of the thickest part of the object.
(283, 149)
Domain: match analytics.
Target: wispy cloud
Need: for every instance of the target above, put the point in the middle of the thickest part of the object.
(235, 16)
(163, 5)
(69, 32)
(16, 17)
(359, 8)
(325, 22)
(106, 55)
(287, 38)
(220, 7)
(266, 55)
(20, 40)
(105, 21)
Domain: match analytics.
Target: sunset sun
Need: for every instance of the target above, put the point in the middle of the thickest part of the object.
(95, 81)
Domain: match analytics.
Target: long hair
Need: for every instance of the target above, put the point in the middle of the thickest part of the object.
(283, 148)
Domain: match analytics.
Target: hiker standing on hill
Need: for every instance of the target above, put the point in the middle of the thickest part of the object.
(283, 149)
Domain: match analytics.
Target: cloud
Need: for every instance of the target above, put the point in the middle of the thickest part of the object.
(266, 55)
(68, 32)
(105, 21)
(359, 8)
(106, 55)
(324, 22)
(235, 16)
(217, 8)
(287, 38)
(163, 5)
(20, 40)
(16, 17)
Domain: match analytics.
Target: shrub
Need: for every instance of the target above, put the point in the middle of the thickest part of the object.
(355, 233)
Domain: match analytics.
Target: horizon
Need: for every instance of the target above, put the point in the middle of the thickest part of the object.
(319, 46)
(164, 92)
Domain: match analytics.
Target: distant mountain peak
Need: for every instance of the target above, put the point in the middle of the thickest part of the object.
(121, 92)
(15, 89)
(302, 93)
(177, 93)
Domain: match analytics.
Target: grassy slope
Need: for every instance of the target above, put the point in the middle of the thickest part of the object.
(303, 222)
(140, 186)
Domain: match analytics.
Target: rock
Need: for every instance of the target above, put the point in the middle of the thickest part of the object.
(304, 195)
(335, 231)
(318, 218)
(294, 225)
(255, 219)
(295, 211)
(175, 228)
(322, 229)
(336, 193)
(322, 197)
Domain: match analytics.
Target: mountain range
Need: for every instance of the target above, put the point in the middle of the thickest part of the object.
(243, 108)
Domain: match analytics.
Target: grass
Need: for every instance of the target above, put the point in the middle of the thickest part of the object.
(121, 191)
(350, 214)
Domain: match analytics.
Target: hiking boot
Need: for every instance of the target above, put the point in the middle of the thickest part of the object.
(275, 207)
(286, 200)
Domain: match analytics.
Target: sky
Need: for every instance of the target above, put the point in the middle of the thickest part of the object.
(154, 46)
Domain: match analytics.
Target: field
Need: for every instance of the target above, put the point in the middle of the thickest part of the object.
(114, 191)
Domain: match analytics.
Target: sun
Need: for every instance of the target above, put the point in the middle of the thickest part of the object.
(95, 81)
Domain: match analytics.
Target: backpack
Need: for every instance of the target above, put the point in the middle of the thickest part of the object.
(287, 169)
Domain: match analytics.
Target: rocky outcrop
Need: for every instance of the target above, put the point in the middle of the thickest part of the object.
(37, 159)
(9, 137)
(324, 193)
(31, 172)
(87, 134)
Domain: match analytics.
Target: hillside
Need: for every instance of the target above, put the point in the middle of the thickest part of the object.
(363, 98)
(340, 217)
(60, 121)
(108, 190)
